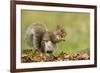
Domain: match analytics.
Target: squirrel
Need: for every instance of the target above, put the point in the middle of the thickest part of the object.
(44, 40)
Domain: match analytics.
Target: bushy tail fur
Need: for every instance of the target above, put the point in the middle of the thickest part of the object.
(34, 34)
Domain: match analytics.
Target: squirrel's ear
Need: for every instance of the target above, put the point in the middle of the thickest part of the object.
(59, 26)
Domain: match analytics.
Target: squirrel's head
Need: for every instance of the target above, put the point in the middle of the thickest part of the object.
(60, 33)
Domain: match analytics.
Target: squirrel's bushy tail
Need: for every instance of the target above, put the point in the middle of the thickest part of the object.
(34, 34)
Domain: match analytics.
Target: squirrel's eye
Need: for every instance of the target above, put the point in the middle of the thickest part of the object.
(62, 30)
(62, 36)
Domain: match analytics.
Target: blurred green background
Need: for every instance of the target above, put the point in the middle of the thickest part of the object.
(77, 26)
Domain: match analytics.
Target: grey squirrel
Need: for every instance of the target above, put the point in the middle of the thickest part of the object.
(43, 39)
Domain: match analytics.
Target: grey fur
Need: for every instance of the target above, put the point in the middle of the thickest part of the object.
(38, 35)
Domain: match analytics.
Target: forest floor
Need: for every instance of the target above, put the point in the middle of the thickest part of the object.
(29, 56)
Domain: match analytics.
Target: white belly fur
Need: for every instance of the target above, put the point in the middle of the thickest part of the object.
(49, 46)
